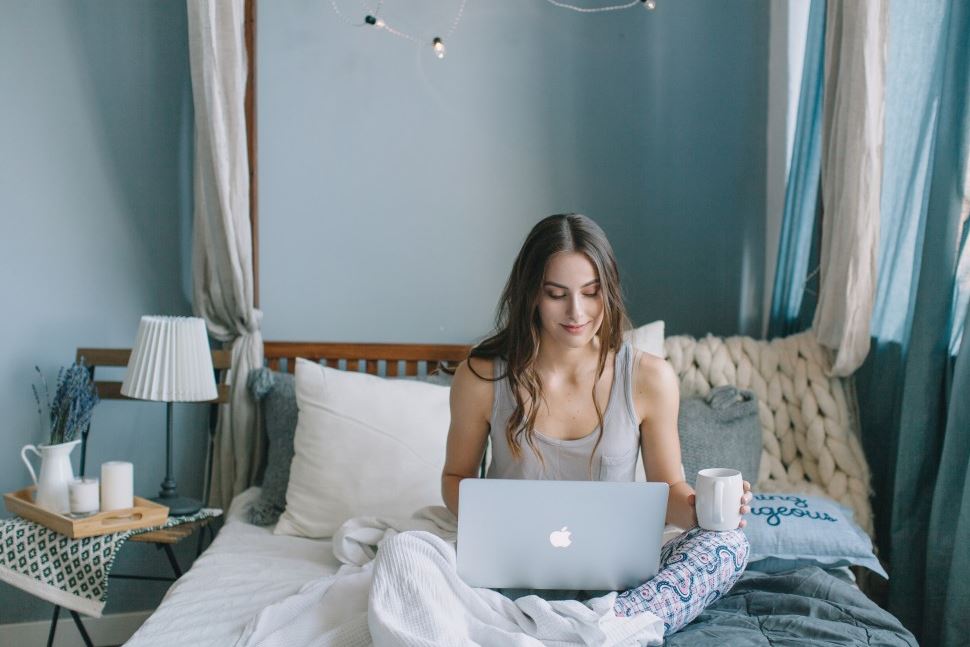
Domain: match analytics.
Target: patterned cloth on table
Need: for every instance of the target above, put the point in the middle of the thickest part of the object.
(72, 573)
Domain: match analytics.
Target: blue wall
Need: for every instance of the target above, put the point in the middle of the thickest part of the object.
(95, 150)
(395, 188)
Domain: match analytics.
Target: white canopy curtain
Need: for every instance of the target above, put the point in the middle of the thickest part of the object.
(222, 256)
(852, 160)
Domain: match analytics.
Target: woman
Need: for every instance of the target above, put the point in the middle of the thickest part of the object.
(557, 368)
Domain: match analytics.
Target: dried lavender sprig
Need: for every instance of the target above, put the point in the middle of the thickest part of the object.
(60, 406)
(41, 404)
(33, 387)
(74, 401)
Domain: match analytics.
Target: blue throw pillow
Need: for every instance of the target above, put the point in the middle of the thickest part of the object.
(788, 531)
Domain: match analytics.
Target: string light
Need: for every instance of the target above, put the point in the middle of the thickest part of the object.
(616, 7)
(438, 44)
(373, 19)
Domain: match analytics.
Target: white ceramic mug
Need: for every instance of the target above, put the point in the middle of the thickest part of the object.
(719, 491)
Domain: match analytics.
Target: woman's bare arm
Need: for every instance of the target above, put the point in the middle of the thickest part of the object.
(471, 406)
(658, 395)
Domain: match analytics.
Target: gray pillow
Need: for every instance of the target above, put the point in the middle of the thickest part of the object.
(720, 430)
(276, 396)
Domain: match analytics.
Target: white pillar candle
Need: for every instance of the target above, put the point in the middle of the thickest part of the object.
(83, 495)
(117, 485)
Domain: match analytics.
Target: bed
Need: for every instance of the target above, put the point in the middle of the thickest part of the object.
(248, 568)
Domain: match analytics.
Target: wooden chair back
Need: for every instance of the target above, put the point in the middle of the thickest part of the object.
(118, 357)
(111, 389)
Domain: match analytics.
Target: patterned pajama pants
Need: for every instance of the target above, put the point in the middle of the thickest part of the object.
(696, 568)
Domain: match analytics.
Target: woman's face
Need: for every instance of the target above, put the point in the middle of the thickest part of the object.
(570, 300)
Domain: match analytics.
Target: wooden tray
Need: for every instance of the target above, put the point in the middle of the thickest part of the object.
(145, 514)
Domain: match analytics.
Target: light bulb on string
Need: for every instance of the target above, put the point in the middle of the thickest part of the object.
(438, 43)
(374, 21)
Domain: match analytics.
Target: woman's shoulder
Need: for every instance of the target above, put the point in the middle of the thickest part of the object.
(476, 368)
(474, 376)
(655, 381)
(472, 389)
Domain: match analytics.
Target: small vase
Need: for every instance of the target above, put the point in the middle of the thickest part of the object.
(55, 474)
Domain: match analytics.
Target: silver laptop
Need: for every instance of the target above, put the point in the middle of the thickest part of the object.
(579, 535)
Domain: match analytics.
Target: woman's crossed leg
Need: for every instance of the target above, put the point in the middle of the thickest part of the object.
(696, 568)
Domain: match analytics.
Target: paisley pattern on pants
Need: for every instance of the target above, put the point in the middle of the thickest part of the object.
(696, 568)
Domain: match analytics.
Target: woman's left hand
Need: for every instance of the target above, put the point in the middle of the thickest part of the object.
(745, 500)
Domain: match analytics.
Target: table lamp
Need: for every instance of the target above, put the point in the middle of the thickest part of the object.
(171, 362)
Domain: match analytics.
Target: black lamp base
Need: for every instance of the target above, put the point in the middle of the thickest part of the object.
(178, 505)
(168, 496)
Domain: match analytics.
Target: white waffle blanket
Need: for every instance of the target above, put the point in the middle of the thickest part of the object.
(408, 592)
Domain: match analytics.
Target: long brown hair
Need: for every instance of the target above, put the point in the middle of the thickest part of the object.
(517, 323)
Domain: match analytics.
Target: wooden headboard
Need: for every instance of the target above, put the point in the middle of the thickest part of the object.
(390, 360)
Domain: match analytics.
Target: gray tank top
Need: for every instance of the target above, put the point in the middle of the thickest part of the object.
(569, 460)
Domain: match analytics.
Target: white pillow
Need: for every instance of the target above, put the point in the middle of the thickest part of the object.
(364, 445)
(648, 338)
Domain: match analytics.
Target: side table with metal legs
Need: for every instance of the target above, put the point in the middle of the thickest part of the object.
(163, 540)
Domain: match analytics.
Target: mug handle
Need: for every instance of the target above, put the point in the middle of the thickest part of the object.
(30, 468)
(717, 502)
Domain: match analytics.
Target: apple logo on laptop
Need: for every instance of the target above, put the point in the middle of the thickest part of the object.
(560, 538)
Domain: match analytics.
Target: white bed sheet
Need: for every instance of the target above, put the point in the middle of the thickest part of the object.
(245, 569)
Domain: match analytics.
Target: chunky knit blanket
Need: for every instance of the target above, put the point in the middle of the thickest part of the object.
(809, 421)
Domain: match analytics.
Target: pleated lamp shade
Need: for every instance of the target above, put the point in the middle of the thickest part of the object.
(171, 361)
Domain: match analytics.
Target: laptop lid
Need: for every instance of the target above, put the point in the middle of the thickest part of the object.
(581, 535)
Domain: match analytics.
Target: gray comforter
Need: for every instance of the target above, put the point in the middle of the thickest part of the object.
(803, 607)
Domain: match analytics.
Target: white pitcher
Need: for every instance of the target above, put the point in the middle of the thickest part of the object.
(55, 474)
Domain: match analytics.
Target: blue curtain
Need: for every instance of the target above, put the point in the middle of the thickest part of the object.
(914, 388)
(961, 289)
(946, 609)
(800, 223)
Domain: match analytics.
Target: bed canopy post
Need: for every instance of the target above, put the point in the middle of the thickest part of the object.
(250, 105)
